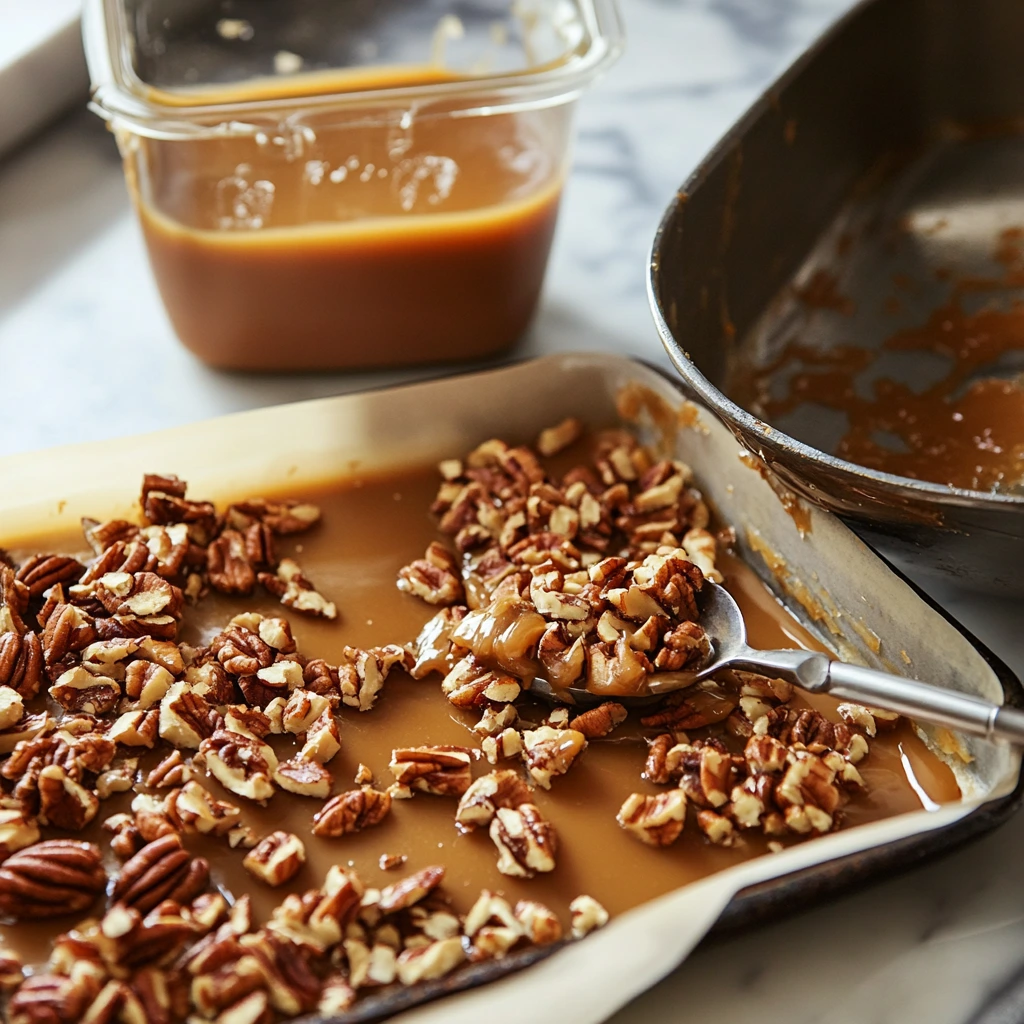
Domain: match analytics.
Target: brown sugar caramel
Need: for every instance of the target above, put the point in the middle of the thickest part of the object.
(368, 246)
(370, 529)
(966, 430)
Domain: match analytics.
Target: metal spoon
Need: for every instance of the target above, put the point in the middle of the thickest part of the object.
(723, 622)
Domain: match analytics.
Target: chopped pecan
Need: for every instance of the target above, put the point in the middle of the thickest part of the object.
(362, 675)
(471, 684)
(552, 440)
(21, 663)
(540, 926)
(283, 516)
(14, 596)
(434, 578)
(717, 827)
(12, 973)
(186, 718)
(549, 752)
(706, 704)
(136, 728)
(871, 720)
(163, 501)
(424, 963)
(161, 870)
(765, 755)
(241, 764)
(63, 802)
(80, 690)
(302, 708)
(503, 747)
(28, 728)
(496, 720)
(441, 770)
(351, 812)
(705, 772)
(432, 647)
(587, 916)
(808, 795)
(526, 842)
(304, 777)
(403, 894)
(391, 861)
(276, 858)
(489, 792)
(491, 927)
(655, 820)
(194, 809)
(12, 708)
(17, 831)
(293, 590)
(143, 595)
(600, 721)
(51, 879)
(323, 739)
(685, 646)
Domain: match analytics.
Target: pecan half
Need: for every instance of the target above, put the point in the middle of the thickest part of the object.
(13, 602)
(351, 812)
(161, 870)
(21, 663)
(41, 572)
(51, 879)
(441, 770)
(283, 516)
(227, 564)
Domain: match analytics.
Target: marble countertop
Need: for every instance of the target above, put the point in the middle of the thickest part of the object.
(83, 336)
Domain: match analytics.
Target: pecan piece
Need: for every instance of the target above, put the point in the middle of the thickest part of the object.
(142, 595)
(63, 802)
(808, 795)
(195, 809)
(549, 752)
(871, 720)
(16, 831)
(51, 879)
(361, 677)
(304, 777)
(12, 708)
(283, 516)
(241, 764)
(351, 812)
(470, 684)
(587, 915)
(552, 440)
(276, 858)
(526, 842)
(434, 578)
(403, 894)
(441, 770)
(293, 590)
(163, 501)
(14, 598)
(52, 999)
(21, 663)
(481, 801)
(540, 926)
(654, 820)
(186, 718)
(424, 963)
(161, 870)
(600, 721)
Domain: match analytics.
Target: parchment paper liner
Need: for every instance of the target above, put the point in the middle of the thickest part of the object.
(828, 577)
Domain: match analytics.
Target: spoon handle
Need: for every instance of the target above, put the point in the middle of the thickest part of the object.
(920, 700)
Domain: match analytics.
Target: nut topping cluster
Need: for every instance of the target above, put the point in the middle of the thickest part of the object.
(587, 578)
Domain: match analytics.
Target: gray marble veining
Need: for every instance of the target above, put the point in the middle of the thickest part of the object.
(86, 352)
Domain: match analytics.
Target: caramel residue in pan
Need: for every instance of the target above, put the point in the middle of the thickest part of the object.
(792, 505)
(966, 430)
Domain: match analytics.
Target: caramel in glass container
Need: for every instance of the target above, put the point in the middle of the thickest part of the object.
(356, 240)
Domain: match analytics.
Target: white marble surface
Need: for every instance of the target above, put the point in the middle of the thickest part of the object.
(86, 352)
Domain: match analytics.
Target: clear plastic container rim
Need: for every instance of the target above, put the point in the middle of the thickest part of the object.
(120, 97)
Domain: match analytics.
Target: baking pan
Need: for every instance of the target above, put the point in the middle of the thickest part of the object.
(906, 117)
(866, 612)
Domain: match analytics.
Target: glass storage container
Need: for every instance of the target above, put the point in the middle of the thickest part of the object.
(346, 183)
